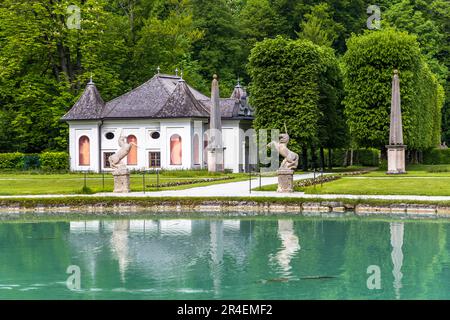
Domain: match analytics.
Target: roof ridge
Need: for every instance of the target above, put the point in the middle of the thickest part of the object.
(125, 94)
(181, 85)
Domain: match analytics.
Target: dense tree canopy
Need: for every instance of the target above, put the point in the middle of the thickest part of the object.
(44, 65)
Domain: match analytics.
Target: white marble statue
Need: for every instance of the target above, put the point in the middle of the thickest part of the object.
(116, 158)
(290, 161)
(121, 173)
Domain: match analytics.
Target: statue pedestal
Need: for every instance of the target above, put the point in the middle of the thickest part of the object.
(216, 159)
(121, 180)
(396, 159)
(285, 180)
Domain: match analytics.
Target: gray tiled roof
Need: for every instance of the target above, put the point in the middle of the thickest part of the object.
(182, 103)
(90, 106)
(163, 96)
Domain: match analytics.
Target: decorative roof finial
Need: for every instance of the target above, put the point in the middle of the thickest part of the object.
(90, 80)
(215, 76)
(239, 81)
(181, 76)
(158, 70)
(176, 72)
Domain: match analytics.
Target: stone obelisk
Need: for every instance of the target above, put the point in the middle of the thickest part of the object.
(396, 148)
(215, 146)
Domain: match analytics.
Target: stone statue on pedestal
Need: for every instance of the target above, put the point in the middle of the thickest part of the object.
(288, 165)
(120, 172)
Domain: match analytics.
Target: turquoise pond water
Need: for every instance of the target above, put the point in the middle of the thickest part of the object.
(253, 258)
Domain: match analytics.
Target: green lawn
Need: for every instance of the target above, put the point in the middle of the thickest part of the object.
(428, 180)
(30, 183)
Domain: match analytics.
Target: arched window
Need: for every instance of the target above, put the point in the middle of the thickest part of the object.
(132, 155)
(175, 150)
(196, 150)
(84, 151)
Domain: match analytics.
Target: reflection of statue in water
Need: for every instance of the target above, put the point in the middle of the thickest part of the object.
(290, 245)
(290, 161)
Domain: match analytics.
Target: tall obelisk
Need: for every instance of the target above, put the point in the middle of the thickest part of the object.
(215, 146)
(396, 148)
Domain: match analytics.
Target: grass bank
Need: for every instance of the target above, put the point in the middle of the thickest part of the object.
(28, 183)
(83, 201)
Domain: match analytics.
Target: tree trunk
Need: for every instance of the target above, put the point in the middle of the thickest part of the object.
(351, 157)
(330, 159)
(322, 158)
(313, 158)
(304, 158)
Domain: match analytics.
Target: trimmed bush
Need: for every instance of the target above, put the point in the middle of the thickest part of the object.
(436, 156)
(11, 161)
(54, 161)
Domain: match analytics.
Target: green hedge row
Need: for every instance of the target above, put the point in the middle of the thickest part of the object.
(436, 156)
(361, 157)
(46, 161)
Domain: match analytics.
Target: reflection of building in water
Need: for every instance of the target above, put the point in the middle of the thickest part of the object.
(397, 255)
(119, 245)
(216, 253)
(84, 226)
(289, 242)
(163, 249)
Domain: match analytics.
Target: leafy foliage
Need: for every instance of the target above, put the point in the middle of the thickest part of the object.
(369, 64)
(296, 83)
(54, 161)
(44, 65)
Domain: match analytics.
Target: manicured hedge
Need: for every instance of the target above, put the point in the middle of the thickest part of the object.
(436, 156)
(54, 161)
(362, 157)
(12, 161)
(47, 161)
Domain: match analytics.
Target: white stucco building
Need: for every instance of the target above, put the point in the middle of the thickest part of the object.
(167, 120)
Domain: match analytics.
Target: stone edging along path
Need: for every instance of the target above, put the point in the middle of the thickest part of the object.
(14, 208)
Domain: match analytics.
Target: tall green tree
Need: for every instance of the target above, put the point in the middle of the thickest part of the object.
(430, 21)
(298, 84)
(44, 64)
(220, 49)
(319, 26)
(369, 64)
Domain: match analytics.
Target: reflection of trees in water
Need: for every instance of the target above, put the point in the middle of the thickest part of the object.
(32, 252)
(202, 253)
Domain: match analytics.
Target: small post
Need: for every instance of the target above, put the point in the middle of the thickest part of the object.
(321, 178)
(85, 184)
(157, 179)
(314, 179)
(103, 181)
(250, 179)
(143, 181)
(259, 180)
